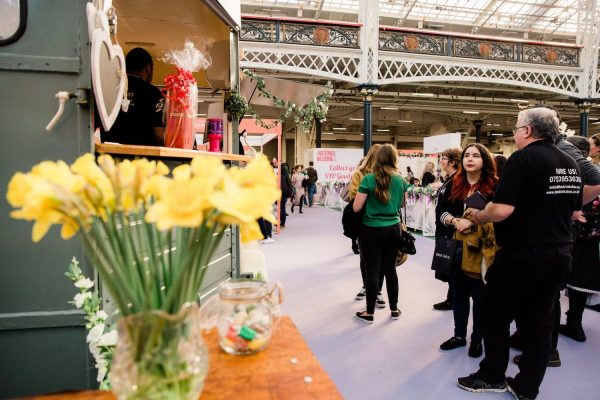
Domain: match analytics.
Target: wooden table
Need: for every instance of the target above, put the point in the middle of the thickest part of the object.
(267, 375)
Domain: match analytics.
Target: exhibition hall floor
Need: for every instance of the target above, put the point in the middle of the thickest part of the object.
(395, 359)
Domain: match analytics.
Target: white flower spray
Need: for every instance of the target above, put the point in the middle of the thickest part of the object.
(102, 337)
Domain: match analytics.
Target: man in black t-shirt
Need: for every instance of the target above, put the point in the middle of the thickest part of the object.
(532, 210)
(590, 175)
(142, 123)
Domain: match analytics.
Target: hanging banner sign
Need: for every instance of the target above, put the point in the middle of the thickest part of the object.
(335, 168)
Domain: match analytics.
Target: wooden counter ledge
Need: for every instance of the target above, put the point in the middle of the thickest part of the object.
(267, 375)
(162, 152)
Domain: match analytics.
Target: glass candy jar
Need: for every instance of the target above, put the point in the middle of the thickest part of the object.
(246, 313)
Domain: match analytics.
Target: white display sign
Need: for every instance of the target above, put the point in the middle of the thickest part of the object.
(439, 143)
(334, 167)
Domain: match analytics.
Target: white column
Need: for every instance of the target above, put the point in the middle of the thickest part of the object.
(368, 16)
(589, 34)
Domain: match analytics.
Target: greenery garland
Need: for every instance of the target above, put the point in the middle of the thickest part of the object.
(303, 116)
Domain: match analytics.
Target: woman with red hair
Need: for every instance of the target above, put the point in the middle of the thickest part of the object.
(476, 173)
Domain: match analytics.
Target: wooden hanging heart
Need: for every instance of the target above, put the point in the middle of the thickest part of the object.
(108, 76)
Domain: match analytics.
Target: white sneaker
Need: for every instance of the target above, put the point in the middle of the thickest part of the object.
(268, 240)
(380, 303)
(361, 294)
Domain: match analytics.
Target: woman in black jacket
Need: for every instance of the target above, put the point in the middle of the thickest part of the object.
(476, 173)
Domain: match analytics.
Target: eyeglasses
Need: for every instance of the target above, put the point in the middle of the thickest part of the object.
(517, 128)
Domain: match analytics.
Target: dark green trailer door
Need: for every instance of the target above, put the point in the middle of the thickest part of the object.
(42, 338)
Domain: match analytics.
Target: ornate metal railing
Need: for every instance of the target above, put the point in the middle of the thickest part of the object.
(454, 46)
(345, 35)
(276, 31)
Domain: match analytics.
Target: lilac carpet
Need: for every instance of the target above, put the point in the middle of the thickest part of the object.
(395, 359)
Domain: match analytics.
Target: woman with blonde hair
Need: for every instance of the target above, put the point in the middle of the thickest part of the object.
(428, 176)
(382, 193)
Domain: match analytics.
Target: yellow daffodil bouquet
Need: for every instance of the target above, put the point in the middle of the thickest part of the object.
(150, 236)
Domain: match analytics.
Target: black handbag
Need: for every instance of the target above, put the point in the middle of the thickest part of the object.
(444, 254)
(351, 221)
(406, 243)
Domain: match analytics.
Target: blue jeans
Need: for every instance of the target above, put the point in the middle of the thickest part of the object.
(312, 190)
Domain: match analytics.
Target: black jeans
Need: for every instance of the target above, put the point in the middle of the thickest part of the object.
(363, 270)
(577, 301)
(282, 212)
(266, 228)
(522, 282)
(464, 288)
(378, 251)
(521, 324)
(300, 205)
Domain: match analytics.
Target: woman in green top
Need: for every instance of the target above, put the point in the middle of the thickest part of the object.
(382, 193)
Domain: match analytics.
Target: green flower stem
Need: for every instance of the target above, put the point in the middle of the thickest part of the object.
(136, 257)
(104, 270)
(101, 247)
(157, 260)
(130, 264)
(122, 265)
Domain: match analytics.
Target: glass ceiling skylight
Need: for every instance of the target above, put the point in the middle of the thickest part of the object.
(547, 16)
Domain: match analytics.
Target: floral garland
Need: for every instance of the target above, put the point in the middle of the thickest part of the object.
(303, 116)
(102, 339)
(415, 192)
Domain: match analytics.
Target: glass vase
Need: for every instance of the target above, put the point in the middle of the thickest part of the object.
(160, 356)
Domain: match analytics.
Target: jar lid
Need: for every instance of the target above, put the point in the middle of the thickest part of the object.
(243, 289)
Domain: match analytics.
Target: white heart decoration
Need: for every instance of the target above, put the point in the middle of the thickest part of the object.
(108, 77)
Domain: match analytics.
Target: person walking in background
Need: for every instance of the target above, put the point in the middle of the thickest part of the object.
(297, 178)
(476, 173)
(532, 211)
(365, 167)
(286, 192)
(313, 177)
(449, 160)
(382, 193)
(428, 175)
(409, 174)
(304, 184)
(266, 228)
